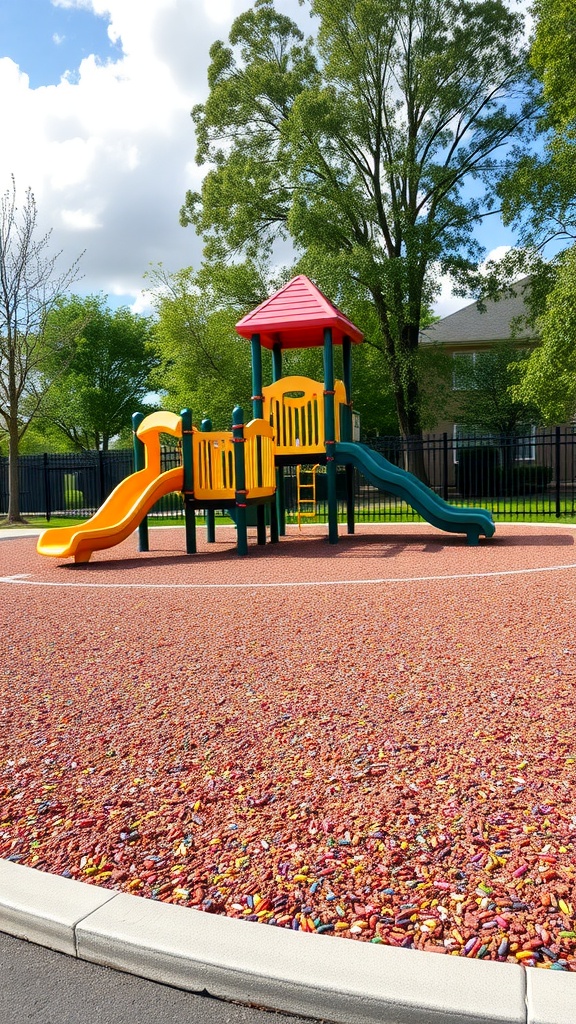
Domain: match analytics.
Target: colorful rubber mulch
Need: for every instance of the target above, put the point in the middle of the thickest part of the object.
(375, 740)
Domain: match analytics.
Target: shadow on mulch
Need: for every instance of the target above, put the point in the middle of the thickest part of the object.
(373, 546)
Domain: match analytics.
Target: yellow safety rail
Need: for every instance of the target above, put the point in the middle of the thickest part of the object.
(259, 452)
(294, 406)
(213, 461)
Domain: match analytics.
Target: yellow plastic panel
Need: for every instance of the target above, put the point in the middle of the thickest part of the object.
(213, 459)
(294, 406)
(339, 400)
(259, 451)
(297, 419)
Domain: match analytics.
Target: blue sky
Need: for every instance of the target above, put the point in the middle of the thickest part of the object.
(96, 107)
(47, 41)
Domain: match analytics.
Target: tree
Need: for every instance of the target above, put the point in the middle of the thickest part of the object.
(549, 380)
(540, 197)
(486, 399)
(370, 147)
(540, 201)
(29, 287)
(206, 366)
(108, 375)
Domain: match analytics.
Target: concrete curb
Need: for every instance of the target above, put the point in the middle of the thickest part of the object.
(344, 982)
(16, 534)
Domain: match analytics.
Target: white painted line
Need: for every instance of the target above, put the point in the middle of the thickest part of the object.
(248, 585)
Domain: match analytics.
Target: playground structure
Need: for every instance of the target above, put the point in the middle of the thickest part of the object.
(296, 421)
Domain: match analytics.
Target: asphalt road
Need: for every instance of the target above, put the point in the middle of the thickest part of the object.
(38, 986)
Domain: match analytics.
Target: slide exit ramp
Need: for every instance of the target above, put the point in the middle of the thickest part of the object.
(128, 503)
(384, 475)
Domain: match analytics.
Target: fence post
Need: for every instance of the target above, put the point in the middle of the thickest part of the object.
(101, 476)
(445, 466)
(240, 475)
(47, 495)
(557, 461)
(140, 463)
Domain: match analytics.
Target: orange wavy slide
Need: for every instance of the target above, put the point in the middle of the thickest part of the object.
(129, 502)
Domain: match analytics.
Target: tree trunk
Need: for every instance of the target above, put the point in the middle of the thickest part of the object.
(411, 432)
(13, 446)
(401, 356)
(407, 397)
(13, 515)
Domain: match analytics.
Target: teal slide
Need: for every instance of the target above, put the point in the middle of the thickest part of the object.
(387, 477)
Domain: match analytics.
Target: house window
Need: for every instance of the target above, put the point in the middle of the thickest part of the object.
(462, 364)
(523, 441)
(526, 444)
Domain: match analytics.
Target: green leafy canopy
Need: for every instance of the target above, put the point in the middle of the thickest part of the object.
(373, 146)
(109, 374)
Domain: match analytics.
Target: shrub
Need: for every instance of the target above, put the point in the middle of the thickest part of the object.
(73, 498)
(478, 472)
(529, 479)
(168, 504)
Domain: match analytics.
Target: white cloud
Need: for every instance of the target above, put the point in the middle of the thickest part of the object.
(446, 302)
(109, 150)
(494, 256)
(79, 220)
(219, 11)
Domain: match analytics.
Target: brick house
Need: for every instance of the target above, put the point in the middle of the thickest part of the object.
(464, 335)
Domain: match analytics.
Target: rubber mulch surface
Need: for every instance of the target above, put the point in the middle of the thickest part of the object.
(375, 740)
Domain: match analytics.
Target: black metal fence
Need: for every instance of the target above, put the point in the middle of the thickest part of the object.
(76, 483)
(519, 477)
(515, 476)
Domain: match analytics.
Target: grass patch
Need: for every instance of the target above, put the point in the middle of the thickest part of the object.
(521, 512)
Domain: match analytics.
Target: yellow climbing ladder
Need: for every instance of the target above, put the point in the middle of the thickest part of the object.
(305, 492)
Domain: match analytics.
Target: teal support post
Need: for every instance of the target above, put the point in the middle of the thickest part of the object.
(280, 497)
(276, 362)
(140, 463)
(350, 513)
(280, 502)
(240, 472)
(329, 436)
(188, 467)
(206, 427)
(261, 524)
(257, 397)
(346, 429)
(274, 536)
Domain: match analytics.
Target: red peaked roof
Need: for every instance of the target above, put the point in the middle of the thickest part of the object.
(295, 317)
